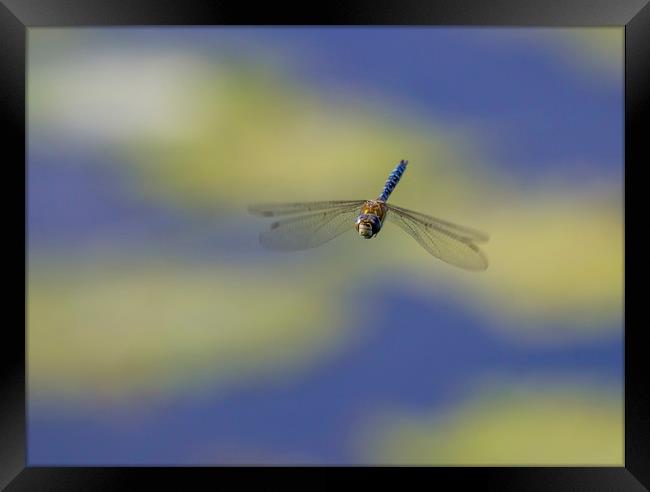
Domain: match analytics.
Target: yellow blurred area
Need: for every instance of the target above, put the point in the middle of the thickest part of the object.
(142, 329)
(600, 48)
(521, 425)
(556, 258)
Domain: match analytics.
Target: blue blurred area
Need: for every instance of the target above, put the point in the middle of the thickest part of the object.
(77, 201)
(419, 355)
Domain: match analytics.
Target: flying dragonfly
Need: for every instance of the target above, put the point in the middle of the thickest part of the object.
(310, 224)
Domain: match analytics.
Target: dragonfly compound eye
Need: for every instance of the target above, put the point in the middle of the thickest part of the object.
(367, 225)
(365, 230)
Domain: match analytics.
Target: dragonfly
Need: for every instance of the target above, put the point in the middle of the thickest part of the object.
(310, 224)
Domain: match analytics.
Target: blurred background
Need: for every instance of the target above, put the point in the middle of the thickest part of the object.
(161, 333)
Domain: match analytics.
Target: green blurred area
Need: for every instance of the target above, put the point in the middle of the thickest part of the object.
(543, 423)
(140, 330)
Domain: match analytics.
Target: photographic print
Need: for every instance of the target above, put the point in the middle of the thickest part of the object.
(325, 246)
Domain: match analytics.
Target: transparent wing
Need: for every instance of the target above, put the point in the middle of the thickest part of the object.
(441, 242)
(278, 209)
(444, 226)
(309, 231)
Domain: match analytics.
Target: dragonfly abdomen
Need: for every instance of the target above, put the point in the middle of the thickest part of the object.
(393, 179)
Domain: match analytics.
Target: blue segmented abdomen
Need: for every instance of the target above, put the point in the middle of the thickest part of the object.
(393, 179)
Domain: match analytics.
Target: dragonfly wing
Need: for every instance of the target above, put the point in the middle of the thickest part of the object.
(441, 243)
(278, 209)
(463, 232)
(309, 231)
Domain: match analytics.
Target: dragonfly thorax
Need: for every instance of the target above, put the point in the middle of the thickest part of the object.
(368, 225)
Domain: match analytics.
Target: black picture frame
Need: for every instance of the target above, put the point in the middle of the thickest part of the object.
(16, 16)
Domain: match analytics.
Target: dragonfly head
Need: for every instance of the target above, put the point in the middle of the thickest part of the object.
(368, 225)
